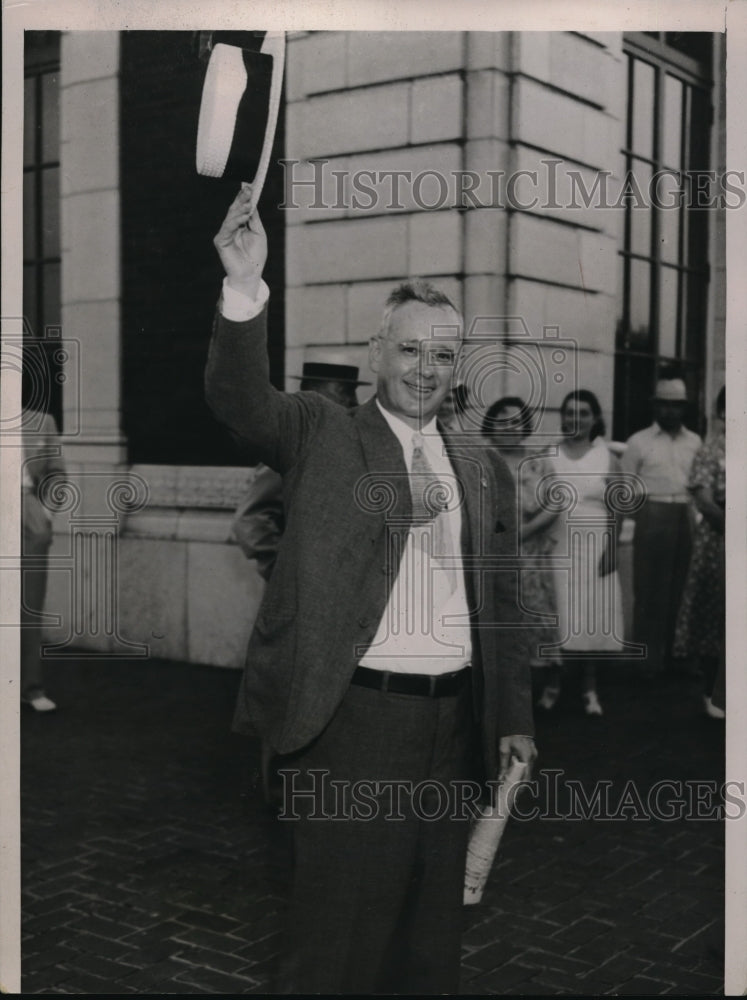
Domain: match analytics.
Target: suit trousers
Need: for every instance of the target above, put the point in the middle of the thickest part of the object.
(380, 846)
(661, 556)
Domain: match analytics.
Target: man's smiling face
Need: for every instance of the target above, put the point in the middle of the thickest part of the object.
(414, 363)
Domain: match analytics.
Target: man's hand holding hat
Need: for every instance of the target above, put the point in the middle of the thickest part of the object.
(241, 243)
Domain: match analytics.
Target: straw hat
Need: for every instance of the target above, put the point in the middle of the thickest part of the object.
(239, 110)
(670, 390)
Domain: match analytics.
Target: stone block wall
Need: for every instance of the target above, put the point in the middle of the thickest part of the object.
(370, 106)
(568, 121)
(460, 113)
(90, 205)
(144, 565)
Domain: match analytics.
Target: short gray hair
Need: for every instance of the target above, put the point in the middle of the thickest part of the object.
(413, 290)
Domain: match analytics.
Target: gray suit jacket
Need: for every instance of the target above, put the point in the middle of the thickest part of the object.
(348, 509)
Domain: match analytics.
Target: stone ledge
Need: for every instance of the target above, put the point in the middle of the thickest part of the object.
(173, 524)
(195, 487)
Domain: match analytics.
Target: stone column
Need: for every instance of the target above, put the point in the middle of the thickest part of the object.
(563, 265)
(90, 205)
(486, 158)
(93, 444)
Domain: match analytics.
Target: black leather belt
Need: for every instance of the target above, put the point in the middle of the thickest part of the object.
(427, 685)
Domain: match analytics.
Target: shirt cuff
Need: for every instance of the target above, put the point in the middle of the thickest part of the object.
(239, 308)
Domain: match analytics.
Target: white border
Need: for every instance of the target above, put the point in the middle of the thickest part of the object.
(370, 15)
(736, 515)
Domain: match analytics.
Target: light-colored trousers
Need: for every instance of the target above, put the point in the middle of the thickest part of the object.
(36, 537)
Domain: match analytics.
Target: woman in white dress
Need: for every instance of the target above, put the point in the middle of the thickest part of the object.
(587, 586)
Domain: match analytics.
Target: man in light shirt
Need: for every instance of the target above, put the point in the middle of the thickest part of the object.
(661, 456)
(386, 662)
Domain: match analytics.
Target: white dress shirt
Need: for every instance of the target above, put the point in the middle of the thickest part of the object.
(238, 307)
(425, 627)
(663, 461)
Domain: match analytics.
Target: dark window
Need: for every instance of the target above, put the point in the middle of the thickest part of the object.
(665, 252)
(41, 218)
(171, 274)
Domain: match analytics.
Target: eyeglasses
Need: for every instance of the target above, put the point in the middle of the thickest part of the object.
(431, 353)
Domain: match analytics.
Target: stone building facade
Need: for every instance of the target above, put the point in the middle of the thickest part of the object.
(477, 158)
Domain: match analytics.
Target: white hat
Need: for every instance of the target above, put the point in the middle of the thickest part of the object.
(239, 111)
(671, 390)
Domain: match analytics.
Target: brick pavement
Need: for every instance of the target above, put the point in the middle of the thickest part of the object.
(150, 864)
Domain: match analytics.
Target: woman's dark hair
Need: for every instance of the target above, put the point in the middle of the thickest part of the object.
(491, 423)
(586, 396)
(721, 401)
(35, 376)
(461, 398)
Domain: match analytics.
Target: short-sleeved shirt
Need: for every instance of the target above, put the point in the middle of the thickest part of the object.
(662, 460)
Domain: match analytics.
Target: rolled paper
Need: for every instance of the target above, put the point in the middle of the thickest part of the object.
(486, 835)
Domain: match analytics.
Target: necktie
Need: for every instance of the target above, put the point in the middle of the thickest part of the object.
(430, 497)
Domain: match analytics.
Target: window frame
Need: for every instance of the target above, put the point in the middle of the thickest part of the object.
(41, 59)
(692, 275)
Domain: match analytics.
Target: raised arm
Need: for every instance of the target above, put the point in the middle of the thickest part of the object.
(241, 243)
(274, 425)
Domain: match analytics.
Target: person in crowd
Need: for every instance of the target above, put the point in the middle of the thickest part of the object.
(702, 615)
(661, 456)
(42, 467)
(258, 522)
(454, 408)
(508, 425)
(585, 533)
(335, 678)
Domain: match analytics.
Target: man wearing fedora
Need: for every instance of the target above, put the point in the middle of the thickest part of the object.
(661, 456)
(383, 722)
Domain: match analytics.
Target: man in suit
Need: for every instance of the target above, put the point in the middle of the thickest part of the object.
(385, 661)
(259, 520)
